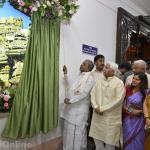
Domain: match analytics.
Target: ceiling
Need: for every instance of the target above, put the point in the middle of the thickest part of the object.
(143, 4)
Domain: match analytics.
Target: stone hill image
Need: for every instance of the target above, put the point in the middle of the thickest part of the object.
(13, 43)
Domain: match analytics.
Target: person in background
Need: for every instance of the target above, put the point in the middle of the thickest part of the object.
(147, 120)
(139, 66)
(133, 118)
(107, 97)
(76, 110)
(126, 70)
(99, 61)
(148, 67)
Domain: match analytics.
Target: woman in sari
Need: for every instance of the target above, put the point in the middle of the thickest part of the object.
(147, 120)
(133, 118)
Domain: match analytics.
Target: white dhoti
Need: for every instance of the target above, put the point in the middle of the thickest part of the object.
(74, 136)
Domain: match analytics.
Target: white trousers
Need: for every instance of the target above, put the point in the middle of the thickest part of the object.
(74, 137)
(101, 146)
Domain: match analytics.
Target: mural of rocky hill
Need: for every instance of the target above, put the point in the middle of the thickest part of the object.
(13, 43)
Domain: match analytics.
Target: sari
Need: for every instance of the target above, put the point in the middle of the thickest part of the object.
(133, 126)
(147, 138)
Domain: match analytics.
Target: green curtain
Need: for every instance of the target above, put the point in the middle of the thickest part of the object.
(35, 107)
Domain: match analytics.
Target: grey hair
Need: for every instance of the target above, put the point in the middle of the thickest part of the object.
(113, 66)
(140, 62)
(90, 63)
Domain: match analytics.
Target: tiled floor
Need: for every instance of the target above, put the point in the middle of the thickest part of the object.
(51, 145)
(56, 144)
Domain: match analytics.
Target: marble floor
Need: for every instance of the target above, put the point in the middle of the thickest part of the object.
(56, 144)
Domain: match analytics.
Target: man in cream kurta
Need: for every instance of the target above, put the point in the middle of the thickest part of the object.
(75, 113)
(106, 98)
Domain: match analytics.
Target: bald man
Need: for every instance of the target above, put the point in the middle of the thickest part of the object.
(139, 66)
(75, 113)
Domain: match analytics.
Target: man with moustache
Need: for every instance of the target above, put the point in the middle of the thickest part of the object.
(99, 61)
(139, 66)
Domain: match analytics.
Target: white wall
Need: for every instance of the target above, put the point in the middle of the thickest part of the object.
(94, 24)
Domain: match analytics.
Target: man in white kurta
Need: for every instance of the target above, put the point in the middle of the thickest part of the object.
(75, 113)
(139, 66)
(107, 98)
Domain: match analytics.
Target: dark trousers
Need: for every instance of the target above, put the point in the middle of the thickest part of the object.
(90, 140)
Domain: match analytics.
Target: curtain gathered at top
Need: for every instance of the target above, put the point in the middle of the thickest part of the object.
(36, 103)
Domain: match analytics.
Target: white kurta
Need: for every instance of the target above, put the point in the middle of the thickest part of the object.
(129, 79)
(77, 112)
(108, 95)
(75, 115)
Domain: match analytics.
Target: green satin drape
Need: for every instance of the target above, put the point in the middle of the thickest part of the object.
(35, 107)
